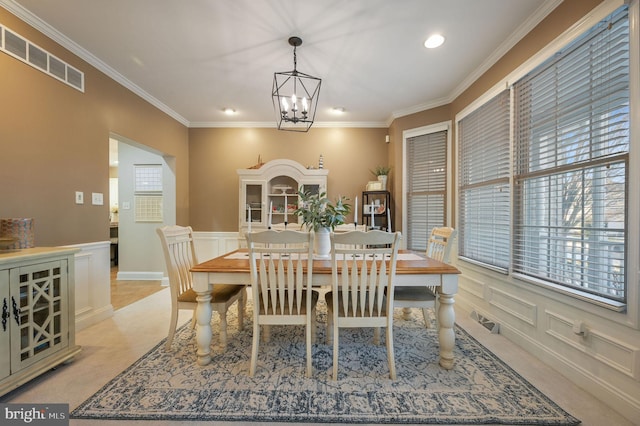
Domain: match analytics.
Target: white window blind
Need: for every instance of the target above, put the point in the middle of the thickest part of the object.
(426, 186)
(571, 158)
(484, 195)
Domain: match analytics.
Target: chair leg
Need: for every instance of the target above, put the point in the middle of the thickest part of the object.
(376, 335)
(329, 333)
(223, 328)
(390, 354)
(313, 325)
(309, 336)
(267, 333)
(427, 320)
(242, 303)
(254, 347)
(336, 333)
(173, 322)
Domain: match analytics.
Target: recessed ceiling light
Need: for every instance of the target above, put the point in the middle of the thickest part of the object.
(229, 111)
(338, 110)
(434, 41)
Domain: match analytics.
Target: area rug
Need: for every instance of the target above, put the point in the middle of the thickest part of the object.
(168, 385)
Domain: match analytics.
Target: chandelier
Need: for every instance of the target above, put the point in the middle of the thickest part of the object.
(295, 96)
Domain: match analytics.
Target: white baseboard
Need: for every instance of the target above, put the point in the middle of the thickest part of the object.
(139, 276)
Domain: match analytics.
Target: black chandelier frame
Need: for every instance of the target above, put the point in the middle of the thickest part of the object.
(295, 96)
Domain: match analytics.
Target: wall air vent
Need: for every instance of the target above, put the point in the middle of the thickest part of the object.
(20, 48)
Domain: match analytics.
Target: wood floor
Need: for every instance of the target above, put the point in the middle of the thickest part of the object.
(124, 293)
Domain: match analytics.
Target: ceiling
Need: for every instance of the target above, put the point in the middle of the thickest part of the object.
(194, 58)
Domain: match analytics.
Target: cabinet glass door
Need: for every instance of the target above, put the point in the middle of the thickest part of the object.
(253, 197)
(38, 294)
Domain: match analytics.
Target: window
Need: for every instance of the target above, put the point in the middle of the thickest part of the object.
(484, 173)
(148, 192)
(571, 129)
(426, 162)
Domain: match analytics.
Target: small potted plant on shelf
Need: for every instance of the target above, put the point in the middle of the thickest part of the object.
(321, 216)
(382, 173)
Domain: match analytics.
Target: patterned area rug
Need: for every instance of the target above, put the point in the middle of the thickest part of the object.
(168, 385)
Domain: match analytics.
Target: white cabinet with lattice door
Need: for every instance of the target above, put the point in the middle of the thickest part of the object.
(38, 318)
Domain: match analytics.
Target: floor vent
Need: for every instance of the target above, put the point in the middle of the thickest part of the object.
(490, 325)
(22, 49)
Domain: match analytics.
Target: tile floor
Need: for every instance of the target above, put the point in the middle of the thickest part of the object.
(112, 345)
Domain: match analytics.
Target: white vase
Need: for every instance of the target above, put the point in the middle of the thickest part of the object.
(383, 179)
(322, 243)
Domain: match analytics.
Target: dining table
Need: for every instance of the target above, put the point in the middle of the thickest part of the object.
(412, 269)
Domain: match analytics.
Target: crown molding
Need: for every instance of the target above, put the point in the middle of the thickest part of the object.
(525, 28)
(272, 125)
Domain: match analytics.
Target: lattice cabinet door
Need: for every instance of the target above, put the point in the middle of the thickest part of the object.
(38, 300)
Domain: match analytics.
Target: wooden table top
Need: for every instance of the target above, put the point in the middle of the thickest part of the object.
(229, 263)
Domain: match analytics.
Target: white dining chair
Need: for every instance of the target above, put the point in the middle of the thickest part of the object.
(439, 247)
(179, 255)
(281, 265)
(363, 268)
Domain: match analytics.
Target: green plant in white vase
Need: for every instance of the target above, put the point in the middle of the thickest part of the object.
(320, 215)
(382, 173)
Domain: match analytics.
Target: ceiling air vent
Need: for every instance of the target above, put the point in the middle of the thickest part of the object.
(22, 49)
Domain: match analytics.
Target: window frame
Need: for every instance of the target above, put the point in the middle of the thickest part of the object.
(450, 187)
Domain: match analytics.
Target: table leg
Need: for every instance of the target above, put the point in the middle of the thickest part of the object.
(446, 334)
(203, 329)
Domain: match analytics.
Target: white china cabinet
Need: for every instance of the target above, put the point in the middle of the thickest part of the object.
(269, 194)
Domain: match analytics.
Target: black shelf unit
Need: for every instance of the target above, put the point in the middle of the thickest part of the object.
(383, 211)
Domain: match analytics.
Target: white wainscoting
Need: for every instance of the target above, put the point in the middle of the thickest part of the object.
(599, 350)
(93, 273)
(213, 244)
(92, 283)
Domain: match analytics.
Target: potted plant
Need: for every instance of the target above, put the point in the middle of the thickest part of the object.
(382, 173)
(321, 216)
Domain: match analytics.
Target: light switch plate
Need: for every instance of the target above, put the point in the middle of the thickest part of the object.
(96, 199)
(79, 197)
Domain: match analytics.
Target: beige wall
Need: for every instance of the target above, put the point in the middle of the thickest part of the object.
(54, 140)
(216, 154)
